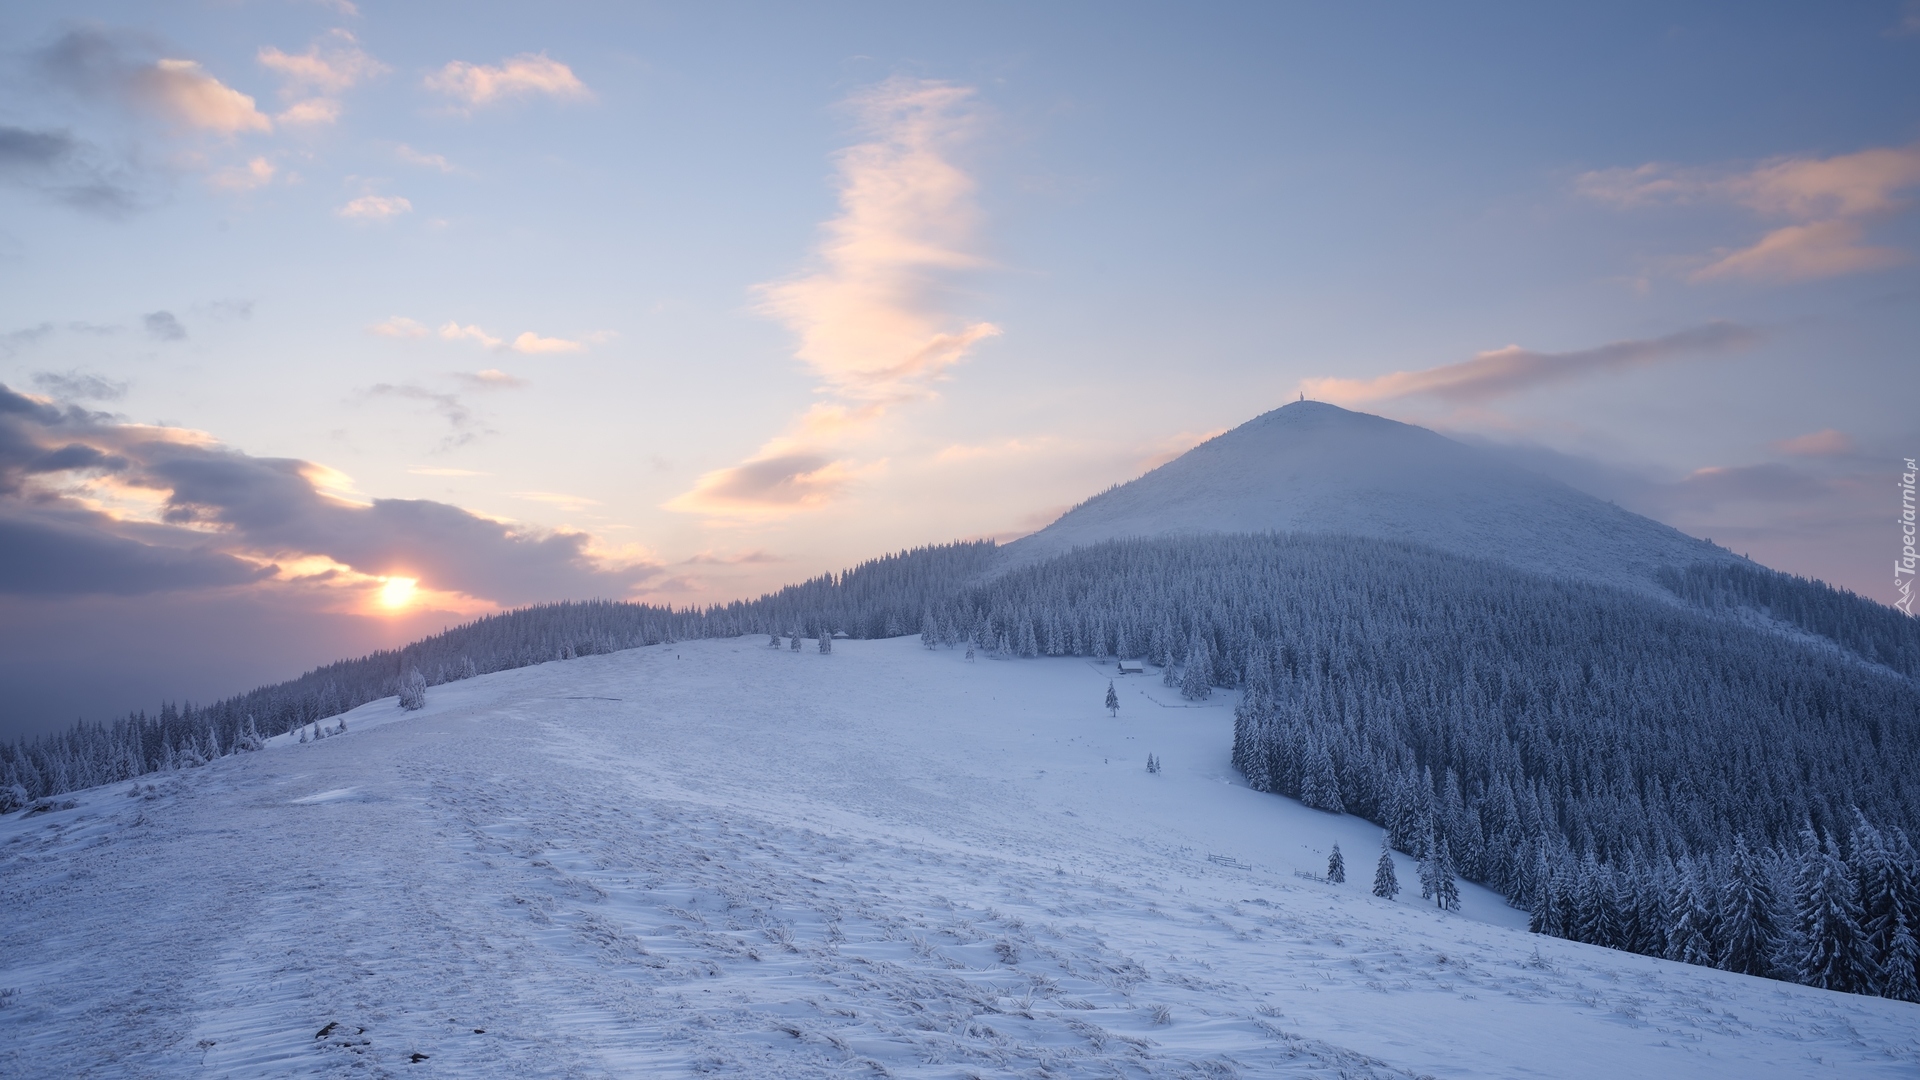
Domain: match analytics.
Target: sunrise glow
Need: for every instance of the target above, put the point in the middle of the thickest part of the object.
(397, 592)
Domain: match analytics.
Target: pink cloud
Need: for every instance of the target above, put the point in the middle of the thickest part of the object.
(524, 75)
(1512, 369)
(1826, 443)
(1826, 199)
(1819, 249)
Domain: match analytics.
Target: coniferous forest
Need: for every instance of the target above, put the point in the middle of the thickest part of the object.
(1728, 774)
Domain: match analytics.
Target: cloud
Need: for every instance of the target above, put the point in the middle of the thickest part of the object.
(333, 64)
(453, 331)
(13, 341)
(313, 80)
(1513, 369)
(1800, 252)
(398, 326)
(310, 113)
(449, 406)
(79, 386)
(768, 487)
(66, 168)
(186, 95)
(1827, 443)
(524, 75)
(530, 342)
(1711, 486)
(431, 161)
(490, 379)
(256, 173)
(162, 326)
(870, 317)
(375, 208)
(1826, 199)
(1909, 21)
(91, 505)
(427, 471)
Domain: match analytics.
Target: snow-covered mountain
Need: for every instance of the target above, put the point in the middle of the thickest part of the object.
(714, 858)
(1317, 468)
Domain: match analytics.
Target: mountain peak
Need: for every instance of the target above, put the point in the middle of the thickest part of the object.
(1313, 467)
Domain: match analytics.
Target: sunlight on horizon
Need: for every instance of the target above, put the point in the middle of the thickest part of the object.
(398, 592)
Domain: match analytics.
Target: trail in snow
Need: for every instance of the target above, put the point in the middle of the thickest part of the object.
(717, 858)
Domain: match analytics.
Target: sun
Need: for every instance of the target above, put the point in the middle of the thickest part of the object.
(397, 592)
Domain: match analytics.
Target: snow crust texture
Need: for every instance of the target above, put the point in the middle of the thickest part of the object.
(1317, 468)
(718, 859)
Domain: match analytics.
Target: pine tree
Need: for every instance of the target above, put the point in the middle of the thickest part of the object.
(1113, 700)
(773, 641)
(1386, 884)
(1336, 866)
(1749, 927)
(1446, 890)
(1196, 683)
(1429, 863)
(969, 650)
(826, 641)
(413, 690)
(1900, 974)
(1832, 948)
(793, 642)
(1319, 788)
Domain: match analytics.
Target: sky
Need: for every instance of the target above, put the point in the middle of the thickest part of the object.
(325, 325)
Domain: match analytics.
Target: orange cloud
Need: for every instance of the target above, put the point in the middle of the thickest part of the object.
(187, 95)
(869, 317)
(531, 342)
(517, 76)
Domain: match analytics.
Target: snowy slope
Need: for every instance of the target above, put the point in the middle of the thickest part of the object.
(715, 858)
(1318, 468)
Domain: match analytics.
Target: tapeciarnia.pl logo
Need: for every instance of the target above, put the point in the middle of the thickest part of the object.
(1903, 566)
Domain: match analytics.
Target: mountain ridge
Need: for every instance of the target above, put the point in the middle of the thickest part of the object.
(1313, 467)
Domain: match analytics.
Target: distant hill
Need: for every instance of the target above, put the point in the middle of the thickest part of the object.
(1310, 467)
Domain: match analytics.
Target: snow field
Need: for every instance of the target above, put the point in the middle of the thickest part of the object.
(715, 858)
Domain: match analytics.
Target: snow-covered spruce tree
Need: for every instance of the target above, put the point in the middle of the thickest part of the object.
(1900, 975)
(1429, 863)
(1446, 887)
(413, 690)
(1196, 683)
(1319, 788)
(826, 641)
(1749, 914)
(969, 650)
(1113, 700)
(793, 642)
(773, 639)
(1336, 866)
(1386, 884)
(1832, 952)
